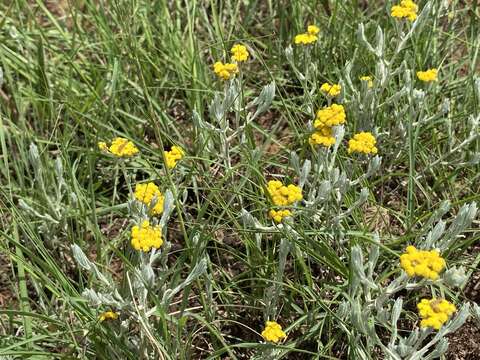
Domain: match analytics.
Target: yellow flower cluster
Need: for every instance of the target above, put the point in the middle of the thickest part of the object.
(120, 147)
(225, 71)
(323, 136)
(273, 332)
(103, 146)
(239, 53)
(175, 154)
(327, 118)
(407, 9)
(108, 315)
(427, 264)
(283, 195)
(367, 78)
(279, 215)
(428, 76)
(308, 37)
(229, 70)
(147, 193)
(331, 89)
(435, 312)
(330, 116)
(145, 237)
(363, 142)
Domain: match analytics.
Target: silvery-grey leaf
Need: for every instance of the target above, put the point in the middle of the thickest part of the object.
(197, 271)
(86, 264)
(363, 39)
(307, 166)
(380, 42)
(264, 100)
(168, 206)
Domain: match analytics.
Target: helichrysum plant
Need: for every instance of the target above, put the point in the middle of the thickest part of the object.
(350, 241)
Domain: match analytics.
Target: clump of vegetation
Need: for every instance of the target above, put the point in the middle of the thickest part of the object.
(242, 180)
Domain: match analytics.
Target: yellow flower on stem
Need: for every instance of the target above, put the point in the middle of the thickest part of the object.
(279, 215)
(313, 29)
(428, 76)
(427, 264)
(330, 116)
(239, 53)
(331, 89)
(367, 78)
(150, 195)
(146, 237)
(323, 136)
(103, 146)
(119, 147)
(175, 154)
(435, 312)
(225, 71)
(363, 142)
(283, 195)
(273, 332)
(407, 9)
(308, 37)
(108, 315)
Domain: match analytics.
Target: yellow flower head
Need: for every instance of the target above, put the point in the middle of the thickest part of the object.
(331, 90)
(308, 37)
(435, 312)
(330, 116)
(279, 215)
(239, 53)
(103, 146)
(323, 136)
(145, 237)
(428, 76)
(312, 30)
(427, 264)
(175, 154)
(108, 315)
(367, 78)
(273, 332)
(363, 142)
(225, 71)
(120, 147)
(283, 195)
(150, 195)
(407, 9)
